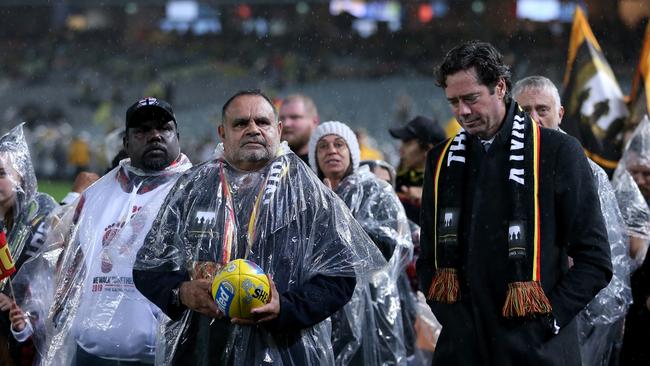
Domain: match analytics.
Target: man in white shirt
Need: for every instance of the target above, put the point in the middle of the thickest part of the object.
(98, 317)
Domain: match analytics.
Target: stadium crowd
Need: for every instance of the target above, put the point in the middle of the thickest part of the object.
(94, 74)
(499, 244)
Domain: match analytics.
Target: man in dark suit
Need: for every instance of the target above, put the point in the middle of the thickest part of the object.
(505, 202)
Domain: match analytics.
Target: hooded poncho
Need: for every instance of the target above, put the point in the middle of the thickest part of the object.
(280, 217)
(388, 336)
(376, 326)
(28, 215)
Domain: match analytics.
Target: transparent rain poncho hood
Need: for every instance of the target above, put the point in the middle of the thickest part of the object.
(280, 217)
(611, 303)
(30, 208)
(632, 204)
(81, 288)
(14, 153)
(377, 326)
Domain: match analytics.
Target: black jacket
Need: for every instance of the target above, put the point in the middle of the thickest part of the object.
(473, 330)
(410, 178)
(637, 322)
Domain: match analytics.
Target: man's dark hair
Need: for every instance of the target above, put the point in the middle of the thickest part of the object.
(254, 92)
(485, 59)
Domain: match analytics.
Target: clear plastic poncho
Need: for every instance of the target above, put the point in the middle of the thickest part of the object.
(280, 217)
(81, 282)
(428, 330)
(632, 204)
(634, 209)
(599, 323)
(39, 274)
(24, 221)
(377, 326)
(14, 153)
(30, 207)
(612, 302)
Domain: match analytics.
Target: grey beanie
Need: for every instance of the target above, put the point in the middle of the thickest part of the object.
(339, 129)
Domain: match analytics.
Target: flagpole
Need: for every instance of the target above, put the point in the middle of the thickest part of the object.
(11, 288)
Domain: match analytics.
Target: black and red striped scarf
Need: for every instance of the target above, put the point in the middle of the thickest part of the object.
(525, 296)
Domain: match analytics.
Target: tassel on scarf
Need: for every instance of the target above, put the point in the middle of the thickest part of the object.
(525, 299)
(444, 286)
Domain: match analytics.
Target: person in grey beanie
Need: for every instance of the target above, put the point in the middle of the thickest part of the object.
(358, 339)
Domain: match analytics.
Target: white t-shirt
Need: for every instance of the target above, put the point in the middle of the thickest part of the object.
(114, 320)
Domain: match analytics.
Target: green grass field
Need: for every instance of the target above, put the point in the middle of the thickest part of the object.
(56, 189)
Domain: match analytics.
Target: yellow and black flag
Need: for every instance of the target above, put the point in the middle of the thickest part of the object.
(452, 127)
(639, 97)
(595, 109)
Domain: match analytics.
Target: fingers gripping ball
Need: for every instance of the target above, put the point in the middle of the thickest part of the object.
(240, 286)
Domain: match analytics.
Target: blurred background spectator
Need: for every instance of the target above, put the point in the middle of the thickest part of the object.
(72, 66)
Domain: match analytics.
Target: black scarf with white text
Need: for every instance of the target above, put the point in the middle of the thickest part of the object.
(525, 296)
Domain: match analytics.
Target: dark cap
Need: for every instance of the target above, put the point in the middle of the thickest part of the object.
(147, 109)
(421, 128)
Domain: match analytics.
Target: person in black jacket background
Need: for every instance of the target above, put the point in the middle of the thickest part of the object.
(417, 138)
(637, 326)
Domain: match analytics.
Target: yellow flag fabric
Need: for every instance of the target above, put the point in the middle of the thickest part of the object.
(367, 152)
(595, 109)
(7, 267)
(452, 127)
